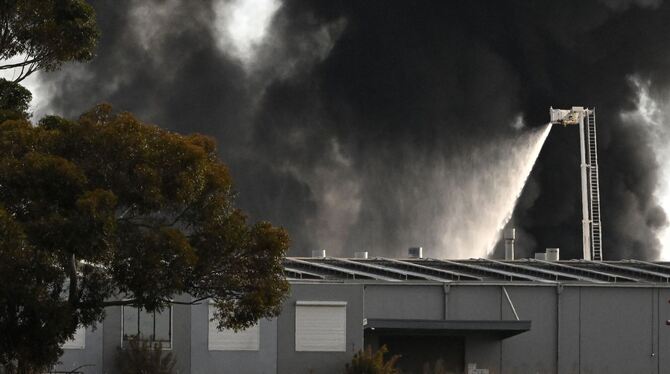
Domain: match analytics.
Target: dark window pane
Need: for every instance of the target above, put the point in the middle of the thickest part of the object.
(163, 326)
(146, 325)
(129, 322)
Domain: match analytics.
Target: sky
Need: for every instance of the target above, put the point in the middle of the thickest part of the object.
(380, 125)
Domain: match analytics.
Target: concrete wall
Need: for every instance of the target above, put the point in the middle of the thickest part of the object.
(404, 301)
(181, 337)
(90, 356)
(204, 361)
(575, 329)
(617, 330)
(291, 362)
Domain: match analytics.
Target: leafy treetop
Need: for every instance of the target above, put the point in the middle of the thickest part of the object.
(14, 100)
(43, 34)
(108, 206)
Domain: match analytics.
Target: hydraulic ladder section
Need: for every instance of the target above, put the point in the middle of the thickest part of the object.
(594, 185)
(585, 119)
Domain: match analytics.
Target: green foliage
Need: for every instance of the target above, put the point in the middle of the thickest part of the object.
(367, 362)
(30, 285)
(14, 100)
(46, 33)
(107, 205)
(142, 357)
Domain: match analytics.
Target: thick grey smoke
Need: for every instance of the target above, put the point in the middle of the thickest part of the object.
(335, 116)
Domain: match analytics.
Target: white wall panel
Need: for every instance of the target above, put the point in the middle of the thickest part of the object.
(320, 326)
(78, 341)
(229, 340)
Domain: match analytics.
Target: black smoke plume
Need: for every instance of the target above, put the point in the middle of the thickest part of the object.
(331, 125)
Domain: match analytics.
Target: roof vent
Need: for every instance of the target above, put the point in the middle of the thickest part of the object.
(509, 235)
(319, 253)
(552, 254)
(361, 254)
(415, 252)
(540, 256)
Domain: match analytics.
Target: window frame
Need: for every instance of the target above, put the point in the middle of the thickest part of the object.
(139, 310)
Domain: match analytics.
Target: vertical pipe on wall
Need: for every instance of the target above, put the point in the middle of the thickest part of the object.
(446, 288)
(653, 319)
(658, 330)
(559, 290)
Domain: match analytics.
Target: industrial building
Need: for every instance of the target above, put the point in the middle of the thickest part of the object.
(479, 316)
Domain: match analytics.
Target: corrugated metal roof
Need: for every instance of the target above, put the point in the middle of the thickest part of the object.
(477, 270)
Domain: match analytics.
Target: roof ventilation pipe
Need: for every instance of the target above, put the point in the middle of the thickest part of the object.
(415, 252)
(361, 254)
(509, 235)
(319, 253)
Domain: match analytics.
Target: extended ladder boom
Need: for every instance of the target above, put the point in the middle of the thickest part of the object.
(594, 185)
(591, 226)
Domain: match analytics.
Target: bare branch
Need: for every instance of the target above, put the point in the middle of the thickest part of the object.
(133, 302)
(179, 216)
(75, 370)
(72, 296)
(19, 64)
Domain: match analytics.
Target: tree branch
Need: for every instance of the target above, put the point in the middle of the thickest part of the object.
(76, 370)
(179, 216)
(134, 301)
(72, 292)
(18, 64)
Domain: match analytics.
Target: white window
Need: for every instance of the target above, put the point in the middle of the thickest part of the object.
(78, 341)
(229, 340)
(321, 326)
(155, 327)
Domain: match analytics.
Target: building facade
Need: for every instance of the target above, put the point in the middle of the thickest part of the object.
(476, 316)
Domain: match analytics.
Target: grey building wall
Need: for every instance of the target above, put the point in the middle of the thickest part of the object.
(475, 303)
(617, 330)
(204, 361)
(181, 337)
(575, 329)
(586, 329)
(404, 301)
(89, 359)
(535, 350)
(291, 362)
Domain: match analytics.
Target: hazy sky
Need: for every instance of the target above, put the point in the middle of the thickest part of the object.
(340, 119)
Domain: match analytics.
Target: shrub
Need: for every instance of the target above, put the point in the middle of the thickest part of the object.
(366, 362)
(142, 357)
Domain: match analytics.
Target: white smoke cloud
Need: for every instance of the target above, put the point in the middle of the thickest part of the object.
(241, 26)
(622, 5)
(39, 87)
(336, 187)
(653, 113)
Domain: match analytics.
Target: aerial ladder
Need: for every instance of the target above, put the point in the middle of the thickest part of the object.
(591, 225)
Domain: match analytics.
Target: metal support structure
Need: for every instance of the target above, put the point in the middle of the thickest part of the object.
(591, 225)
(586, 222)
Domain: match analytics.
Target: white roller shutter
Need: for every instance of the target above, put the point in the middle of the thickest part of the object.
(229, 340)
(78, 341)
(321, 326)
